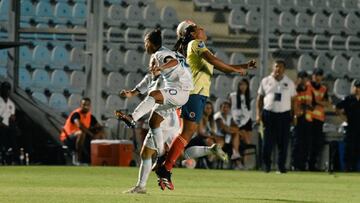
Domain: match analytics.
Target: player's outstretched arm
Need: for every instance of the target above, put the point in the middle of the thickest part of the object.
(169, 64)
(221, 66)
(129, 93)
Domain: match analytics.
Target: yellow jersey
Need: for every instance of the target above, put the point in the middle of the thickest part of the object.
(201, 70)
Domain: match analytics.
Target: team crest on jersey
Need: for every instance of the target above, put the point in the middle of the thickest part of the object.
(192, 114)
(201, 45)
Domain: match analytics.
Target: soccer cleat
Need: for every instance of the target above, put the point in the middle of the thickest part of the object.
(216, 149)
(158, 162)
(136, 190)
(126, 118)
(164, 178)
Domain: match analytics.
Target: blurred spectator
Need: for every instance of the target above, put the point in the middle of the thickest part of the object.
(226, 129)
(274, 104)
(320, 101)
(350, 107)
(79, 129)
(241, 112)
(303, 122)
(8, 144)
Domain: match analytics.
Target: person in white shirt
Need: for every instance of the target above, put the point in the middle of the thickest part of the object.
(274, 108)
(7, 123)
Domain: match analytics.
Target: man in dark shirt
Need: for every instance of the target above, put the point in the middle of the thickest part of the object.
(350, 107)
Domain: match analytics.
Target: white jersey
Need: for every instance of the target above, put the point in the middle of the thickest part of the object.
(178, 76)
(7, 109)
(240, 116)
(147, 84)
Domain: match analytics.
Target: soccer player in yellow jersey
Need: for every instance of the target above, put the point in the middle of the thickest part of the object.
(191, 43)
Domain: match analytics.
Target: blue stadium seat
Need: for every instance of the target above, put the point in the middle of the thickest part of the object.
(341, 88)
(303, 42)
(303, 22)
(77, 58)
(324, 63)
(337, 43)
(3, 57)
(305, 63)
(115, 82)
(41, 56)
(77, 82)
(115, 15)
(336, 23)
(169, 17)
(223, 85)
(131, 103)
(4, 10)
(43, 36)
(74, 101)
(59, 57)
(352, 43)
(58, 102)
(59, 81)
(339, 66)
(113, 102)
(3, 72)
(354, 67)
(79, 13)
(27, 10)
(115, 35)
(44, 12)
(151, 16)
(25, 55)
(132, 79)
(133, 61)
(62, 12)
(134, 16)
(114, 60)
(39, 96)
(25, 80)
(62, 36)
(40, 80)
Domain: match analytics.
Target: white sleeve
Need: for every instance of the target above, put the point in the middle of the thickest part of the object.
(144, 84)
(261, 90)
(160, 56)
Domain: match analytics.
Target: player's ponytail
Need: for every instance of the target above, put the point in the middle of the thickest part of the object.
(181, 44)
(155, 37)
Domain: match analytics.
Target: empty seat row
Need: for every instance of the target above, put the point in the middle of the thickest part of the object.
(343, 87)
(114, 102)
(224, 85)
(114, 82)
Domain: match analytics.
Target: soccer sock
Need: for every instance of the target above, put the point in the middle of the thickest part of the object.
(143, 108)
(144, 171)
(158, 140)
(197, 152)
(177, 147)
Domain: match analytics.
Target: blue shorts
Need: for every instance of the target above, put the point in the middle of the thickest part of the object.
(194, 108)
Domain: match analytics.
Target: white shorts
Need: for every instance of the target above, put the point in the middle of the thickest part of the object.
(175, 96)
(170, 128)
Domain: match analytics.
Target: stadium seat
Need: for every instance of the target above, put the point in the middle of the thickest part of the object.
(254, 86)
(27, 10)
(145, 60)
(41, 56)
(79, 13)
(235, 83)
(134, 16)
(40, 80)
(286, 21)
(74, 101)
(3, 57)
(286, 3)
(273, 40)
(58, 102)
(113, 102)
(223, 85)
(319, 22)
(3, 72)
(253, 109)
(4, 10)
(324, 63)
(133, 61)
(341, 88)
(250, 2)
(336, 23)
(302, 5)
(238, 3)
(131, 103)
(115, 15)
(218, 4)
(236, 19)
(339, 65)
(62, 12)
(354, 67)
(351, 4)
(237, 58)
(303, 22)
(42, 36)
(169, 17)
(114, 60)
(115, 35)
(77, 58)
(303, 42)
(169, 37)
(202, 4)
(77, 82)
(59, 57)
(131, 2)
(62, 36)
(44, 12)
(151, 16)
(39, 96)
(132, 79)
(320, 42)
(59, 81)
(287, 41)
(133, 38)
(352, 23)
(115, 82)
(25, 80)
(222, 55)
(273, 20)
(337, 43)
(218, 103)
(334, 4)
(352, 43)
(305, 63)
(319, 4)
(253, 19)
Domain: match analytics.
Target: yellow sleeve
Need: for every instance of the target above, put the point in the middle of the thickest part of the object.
(198, 47)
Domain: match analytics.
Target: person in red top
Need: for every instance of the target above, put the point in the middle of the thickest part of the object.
(79, 129)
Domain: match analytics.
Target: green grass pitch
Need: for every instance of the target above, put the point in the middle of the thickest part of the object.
(105, 184)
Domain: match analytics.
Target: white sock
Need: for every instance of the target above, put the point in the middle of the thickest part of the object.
(144, 172)
(157, 135)
(197, 151)
(143, 108)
